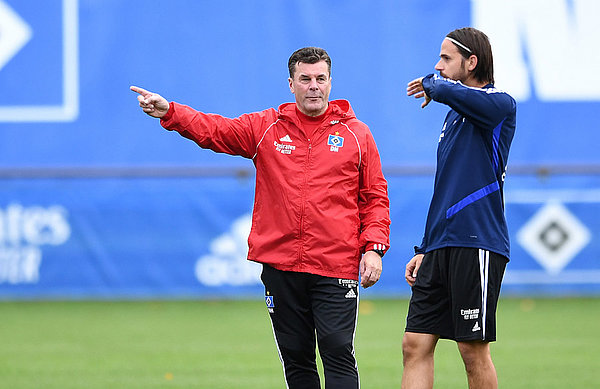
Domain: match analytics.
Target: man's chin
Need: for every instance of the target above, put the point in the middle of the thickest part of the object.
(314, 110)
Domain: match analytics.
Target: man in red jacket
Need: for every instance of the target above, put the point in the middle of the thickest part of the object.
(320, 218)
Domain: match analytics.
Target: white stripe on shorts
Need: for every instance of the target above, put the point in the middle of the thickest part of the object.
(484, 265)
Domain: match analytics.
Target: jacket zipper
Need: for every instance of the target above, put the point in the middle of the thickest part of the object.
(303, 204)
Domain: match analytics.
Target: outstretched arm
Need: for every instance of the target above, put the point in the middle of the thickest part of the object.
(152, 103)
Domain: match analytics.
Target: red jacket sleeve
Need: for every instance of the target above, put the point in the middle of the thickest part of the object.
(373, 201)
(237, 136)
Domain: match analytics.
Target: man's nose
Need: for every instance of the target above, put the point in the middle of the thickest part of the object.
(438, 66)
(313, 85)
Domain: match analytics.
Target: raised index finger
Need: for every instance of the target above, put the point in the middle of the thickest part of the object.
(141, 91)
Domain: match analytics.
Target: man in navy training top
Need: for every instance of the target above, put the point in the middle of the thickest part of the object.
(457, 270)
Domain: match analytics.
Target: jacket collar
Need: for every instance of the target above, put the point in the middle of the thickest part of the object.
(340, 110)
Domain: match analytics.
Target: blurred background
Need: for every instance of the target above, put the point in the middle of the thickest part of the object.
(97, 201)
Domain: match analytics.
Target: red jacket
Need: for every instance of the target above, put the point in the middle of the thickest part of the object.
(319, 203)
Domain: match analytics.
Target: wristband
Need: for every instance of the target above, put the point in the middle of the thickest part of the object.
(381, 253)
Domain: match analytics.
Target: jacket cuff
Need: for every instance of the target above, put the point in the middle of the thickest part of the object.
(427, 83)
(379, 248)
(419, 250)
(168, 115)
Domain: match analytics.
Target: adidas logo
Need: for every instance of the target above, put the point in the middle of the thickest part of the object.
(226, 263)
(351, 294)
(286, 138)
(476, 327)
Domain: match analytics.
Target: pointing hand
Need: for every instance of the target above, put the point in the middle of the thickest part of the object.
(152, 103)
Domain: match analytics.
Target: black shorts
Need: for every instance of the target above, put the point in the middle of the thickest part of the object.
(456, 293)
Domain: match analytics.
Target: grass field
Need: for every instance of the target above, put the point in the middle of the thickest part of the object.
(542, 343)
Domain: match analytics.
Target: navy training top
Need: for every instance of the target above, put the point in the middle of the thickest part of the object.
(467, 208)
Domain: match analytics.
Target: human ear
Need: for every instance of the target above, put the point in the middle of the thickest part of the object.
(472, 62)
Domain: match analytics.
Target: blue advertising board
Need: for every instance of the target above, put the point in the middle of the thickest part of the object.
(97, 201)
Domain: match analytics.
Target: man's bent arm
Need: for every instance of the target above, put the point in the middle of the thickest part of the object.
(486, 107)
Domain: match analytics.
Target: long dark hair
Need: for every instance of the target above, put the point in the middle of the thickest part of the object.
(479, 44)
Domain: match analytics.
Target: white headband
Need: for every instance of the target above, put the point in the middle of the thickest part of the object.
(457, 43)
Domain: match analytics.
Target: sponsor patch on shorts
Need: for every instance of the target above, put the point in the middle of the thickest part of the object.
(348, 283)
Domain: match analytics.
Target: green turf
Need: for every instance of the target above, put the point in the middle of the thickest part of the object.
(542, 343)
